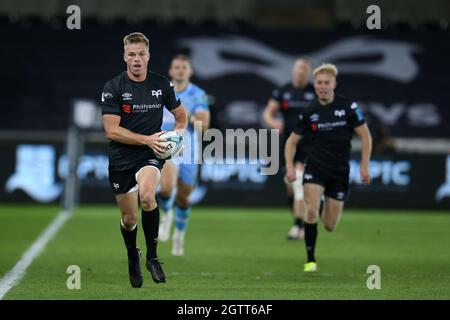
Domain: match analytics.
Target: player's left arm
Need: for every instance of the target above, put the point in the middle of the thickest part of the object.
(359, 125)
(181, 119)
(173, 103)
(366, 150)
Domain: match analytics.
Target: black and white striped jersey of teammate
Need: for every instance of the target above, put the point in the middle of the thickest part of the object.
(331, 121)
(132, 108)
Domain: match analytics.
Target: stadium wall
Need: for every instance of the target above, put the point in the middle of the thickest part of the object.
(396, 77)
(34, 172)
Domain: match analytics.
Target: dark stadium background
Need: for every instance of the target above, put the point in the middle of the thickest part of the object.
(241, 50)
(51, 82)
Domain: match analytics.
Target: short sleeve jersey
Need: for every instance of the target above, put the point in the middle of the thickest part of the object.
(140, 107)
(331, 128)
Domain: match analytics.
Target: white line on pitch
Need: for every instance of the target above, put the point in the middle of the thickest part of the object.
(14, 276)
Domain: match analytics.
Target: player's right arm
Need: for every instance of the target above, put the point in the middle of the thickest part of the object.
(117, 133)
(289, 151)
(270, 113)
(271, 110)
(290, 147)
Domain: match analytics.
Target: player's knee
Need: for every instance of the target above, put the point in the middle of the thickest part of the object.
(165, 192)
(330, 226)
(182, 201)
(129, 220)
(312, 214)
(312, 210)
(148, 201)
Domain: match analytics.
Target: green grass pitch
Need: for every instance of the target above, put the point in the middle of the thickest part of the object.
(235, 254)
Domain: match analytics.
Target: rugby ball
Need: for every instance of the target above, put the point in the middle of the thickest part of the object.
(173, 145)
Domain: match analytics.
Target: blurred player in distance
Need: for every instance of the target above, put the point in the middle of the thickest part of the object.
(179, 175)
(331, 120)
(132, 108)
(290, 100)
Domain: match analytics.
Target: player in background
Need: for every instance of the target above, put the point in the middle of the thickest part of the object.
(290, 100)
(179, 175)
(132, 108)
(331, 120)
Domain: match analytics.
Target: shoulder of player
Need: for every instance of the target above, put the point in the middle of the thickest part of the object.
(115, 83)
(342, 101)
(196, 90)
(118, 78)
(285, 87)
(158, 78)
(309, 87)
(313, 104)
(311, 108)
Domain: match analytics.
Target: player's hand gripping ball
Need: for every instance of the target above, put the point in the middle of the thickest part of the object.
(173, 145)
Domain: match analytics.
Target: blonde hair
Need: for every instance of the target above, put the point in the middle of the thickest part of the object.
(135, 37)
(326, 68)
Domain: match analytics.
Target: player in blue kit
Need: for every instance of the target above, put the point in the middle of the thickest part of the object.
(178, 176)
